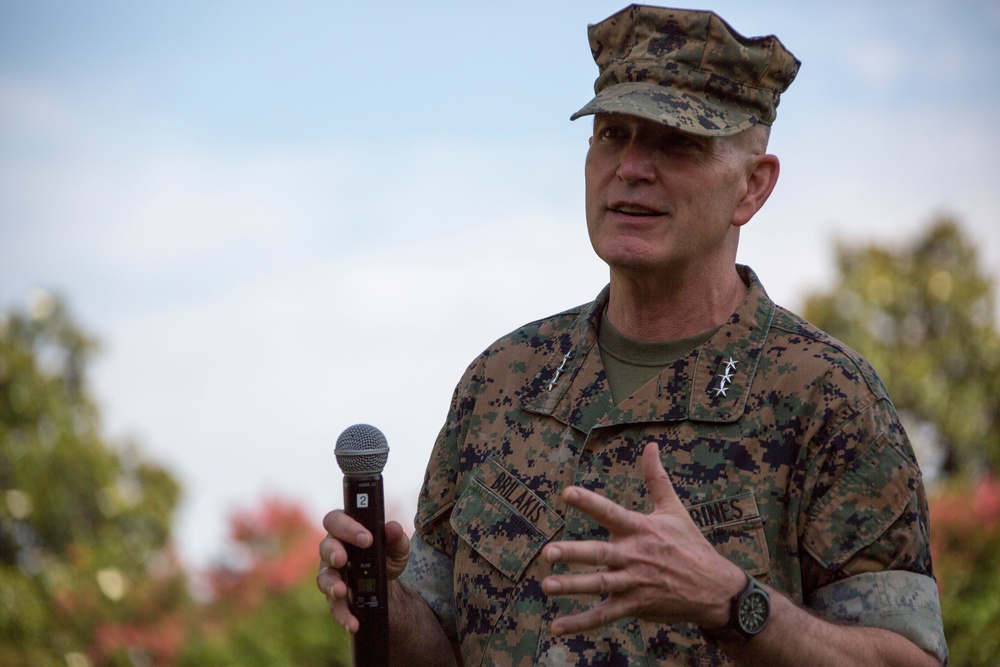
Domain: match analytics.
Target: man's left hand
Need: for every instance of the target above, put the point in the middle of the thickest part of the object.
(655, 566)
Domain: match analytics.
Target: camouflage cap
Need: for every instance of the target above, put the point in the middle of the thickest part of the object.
(687, 69)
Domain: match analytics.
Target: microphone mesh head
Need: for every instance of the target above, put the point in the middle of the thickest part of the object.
(361, 450)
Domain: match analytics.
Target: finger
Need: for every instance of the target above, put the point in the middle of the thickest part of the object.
(332, 553)
(331, 583)
(602, 582)
(610, 515)
(334, 588)
(585, 552)
(342, 614)
(397, 544)
(397, 549)
(342, 527)
(662, 489)
(602, 614)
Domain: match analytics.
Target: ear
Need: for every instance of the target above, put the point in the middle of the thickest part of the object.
(761, 179)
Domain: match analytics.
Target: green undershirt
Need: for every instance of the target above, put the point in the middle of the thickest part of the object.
(629, 363)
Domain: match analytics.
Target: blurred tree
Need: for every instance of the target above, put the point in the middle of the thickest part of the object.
(263, 605)
(965, 546)
(923, 314)
(86, 575)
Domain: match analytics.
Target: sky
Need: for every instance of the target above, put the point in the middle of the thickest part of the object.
(282, 219)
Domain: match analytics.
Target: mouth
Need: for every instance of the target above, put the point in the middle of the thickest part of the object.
(626, 208)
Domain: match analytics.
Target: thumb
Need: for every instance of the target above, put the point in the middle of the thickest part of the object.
(396, 542)
(664, 495)
(397, 548)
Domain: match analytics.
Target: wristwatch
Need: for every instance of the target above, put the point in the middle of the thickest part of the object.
(748, 614)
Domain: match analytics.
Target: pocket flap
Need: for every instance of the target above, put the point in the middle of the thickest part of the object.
(734, 527)
(861, 505)
(503, 520)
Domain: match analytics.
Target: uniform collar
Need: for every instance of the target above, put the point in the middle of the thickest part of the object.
(710, 384)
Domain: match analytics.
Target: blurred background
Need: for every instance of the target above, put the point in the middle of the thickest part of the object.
(230, 230)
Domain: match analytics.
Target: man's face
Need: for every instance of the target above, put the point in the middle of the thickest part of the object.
(660, 200)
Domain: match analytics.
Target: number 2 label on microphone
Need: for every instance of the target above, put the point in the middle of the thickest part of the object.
(362, 500)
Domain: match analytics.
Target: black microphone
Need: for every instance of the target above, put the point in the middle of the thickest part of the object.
(361, 454)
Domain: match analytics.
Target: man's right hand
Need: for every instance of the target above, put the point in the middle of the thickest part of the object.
(342, 530)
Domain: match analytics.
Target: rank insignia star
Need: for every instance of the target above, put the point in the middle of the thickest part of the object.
(726, 376)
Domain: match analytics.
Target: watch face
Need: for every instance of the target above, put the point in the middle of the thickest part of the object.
(753, 612)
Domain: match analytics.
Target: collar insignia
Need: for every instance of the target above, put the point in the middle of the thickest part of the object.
(727, 367)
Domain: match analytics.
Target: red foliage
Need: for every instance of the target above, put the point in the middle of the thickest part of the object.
(160, 641)
(986, 502)
(963, 522)
(277, 545)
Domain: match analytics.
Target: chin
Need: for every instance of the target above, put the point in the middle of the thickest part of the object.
(631, 257)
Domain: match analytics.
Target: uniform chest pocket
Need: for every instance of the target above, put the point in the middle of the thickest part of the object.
(503, 520)
(734, 527)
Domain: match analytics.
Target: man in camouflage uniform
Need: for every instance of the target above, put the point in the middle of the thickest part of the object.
(613, 480)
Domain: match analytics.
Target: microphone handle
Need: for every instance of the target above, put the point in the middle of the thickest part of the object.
(366, 578)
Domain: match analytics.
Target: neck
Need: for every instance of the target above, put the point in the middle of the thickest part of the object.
(666, 310)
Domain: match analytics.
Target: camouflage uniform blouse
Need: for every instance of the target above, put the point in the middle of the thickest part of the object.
(781, 442)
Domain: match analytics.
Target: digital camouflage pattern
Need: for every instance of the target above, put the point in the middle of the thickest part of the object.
(870, 598)
(687, 69)
(781, 442)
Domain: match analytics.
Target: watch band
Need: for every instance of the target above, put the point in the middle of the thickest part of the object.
(749, 611)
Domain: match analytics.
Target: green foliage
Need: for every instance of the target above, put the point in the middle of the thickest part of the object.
(87, 574)
(923, 314)
(84, 526)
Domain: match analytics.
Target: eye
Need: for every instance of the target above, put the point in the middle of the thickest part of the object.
(612, 132)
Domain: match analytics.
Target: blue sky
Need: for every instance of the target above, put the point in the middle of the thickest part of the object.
(282, 219)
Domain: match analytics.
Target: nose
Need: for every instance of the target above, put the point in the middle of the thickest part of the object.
(636, 163)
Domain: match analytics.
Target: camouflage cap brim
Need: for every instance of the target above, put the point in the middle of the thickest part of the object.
(678, 109)
(688, 69)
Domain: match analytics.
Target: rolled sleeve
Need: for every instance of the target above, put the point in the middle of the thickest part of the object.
(429, 574)
(903, 602)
